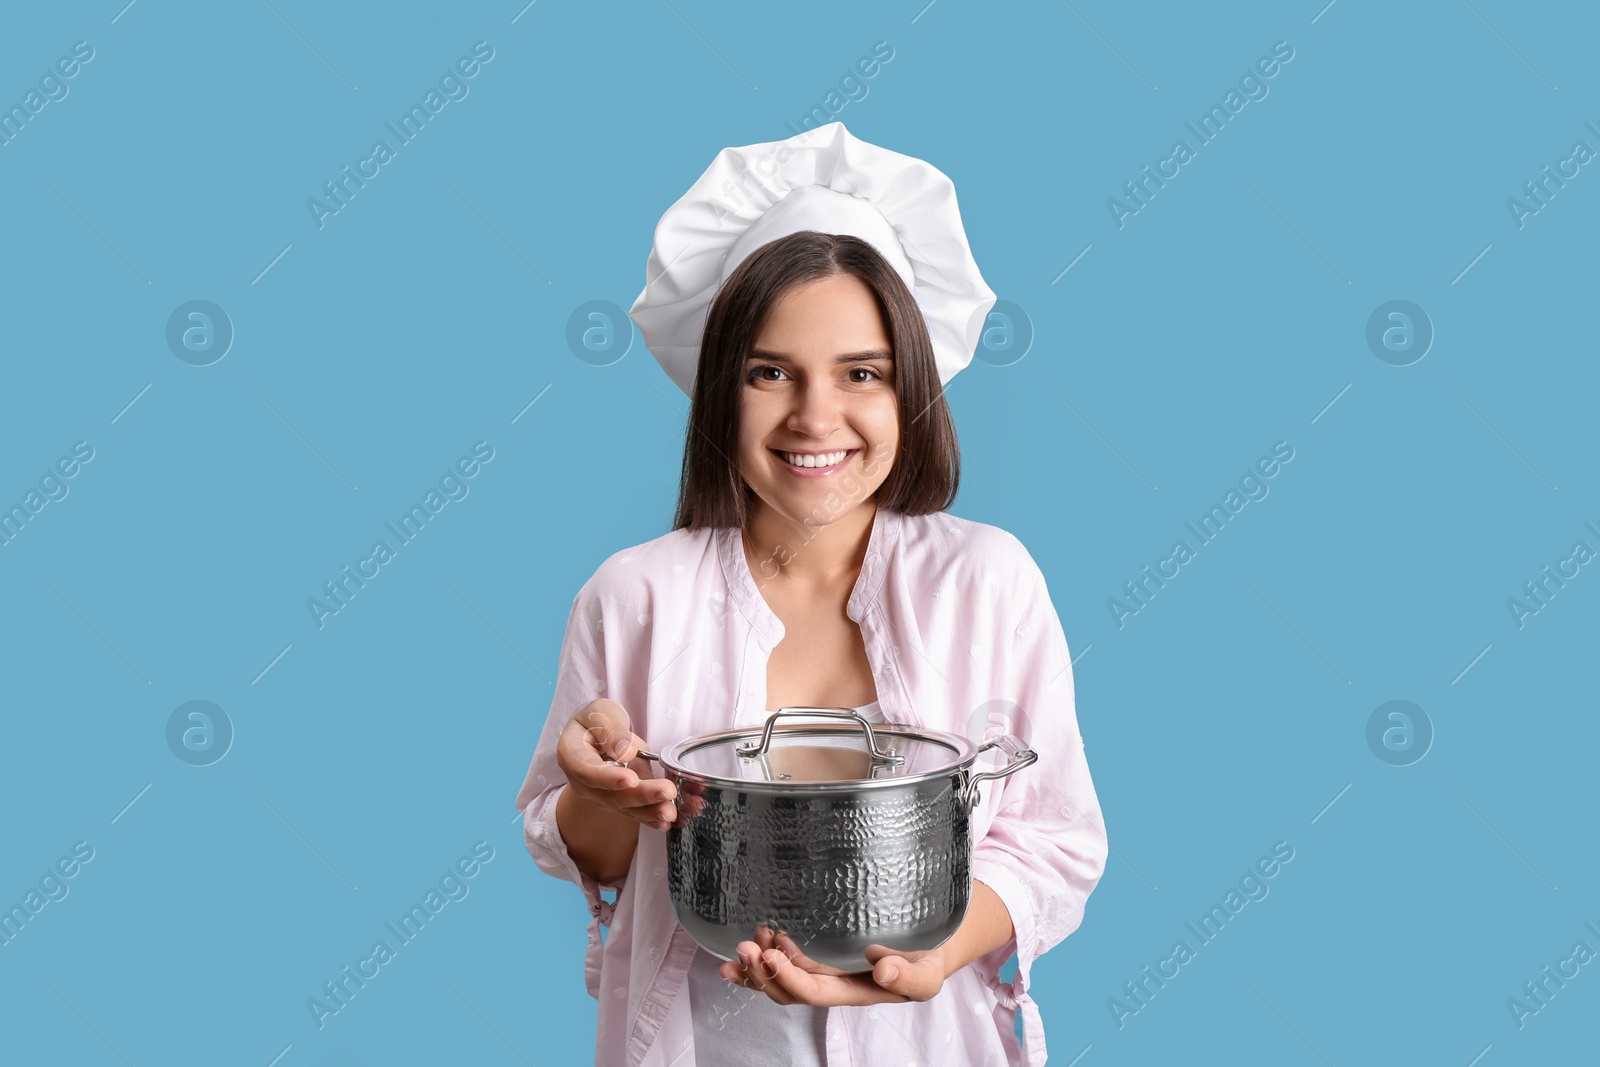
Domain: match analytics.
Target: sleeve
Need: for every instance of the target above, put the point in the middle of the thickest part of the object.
(580, 678)
(1045, 850)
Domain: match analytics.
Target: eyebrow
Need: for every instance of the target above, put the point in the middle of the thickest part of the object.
(848, 357)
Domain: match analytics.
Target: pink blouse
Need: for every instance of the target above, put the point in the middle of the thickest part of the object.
(961, 636)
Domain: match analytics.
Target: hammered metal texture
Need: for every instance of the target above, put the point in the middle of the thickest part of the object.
(838, 871)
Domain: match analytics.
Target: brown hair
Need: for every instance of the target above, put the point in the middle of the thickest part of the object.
(928, 468)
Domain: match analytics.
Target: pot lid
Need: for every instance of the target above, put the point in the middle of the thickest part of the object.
(847, 752)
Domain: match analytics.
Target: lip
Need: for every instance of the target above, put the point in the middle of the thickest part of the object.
(814, 472)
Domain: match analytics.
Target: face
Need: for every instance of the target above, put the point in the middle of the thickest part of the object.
(819, 382)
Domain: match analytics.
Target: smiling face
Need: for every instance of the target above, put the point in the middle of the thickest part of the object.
(819, 388)
(770, 380)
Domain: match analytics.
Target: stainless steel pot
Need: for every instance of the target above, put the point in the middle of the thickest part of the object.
(843, 834)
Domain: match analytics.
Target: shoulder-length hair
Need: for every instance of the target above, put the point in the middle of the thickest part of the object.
(927, 470)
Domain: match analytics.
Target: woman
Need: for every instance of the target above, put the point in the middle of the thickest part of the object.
(812, 563)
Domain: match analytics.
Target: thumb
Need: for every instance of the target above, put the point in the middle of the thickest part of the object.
(608, 728)
(917, 977)
(895, 974)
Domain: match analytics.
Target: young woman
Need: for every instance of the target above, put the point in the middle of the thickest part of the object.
(812, 563)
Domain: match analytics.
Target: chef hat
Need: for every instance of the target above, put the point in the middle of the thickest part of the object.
(826, 180)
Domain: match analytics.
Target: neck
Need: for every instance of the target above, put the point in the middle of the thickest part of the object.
(780, 549)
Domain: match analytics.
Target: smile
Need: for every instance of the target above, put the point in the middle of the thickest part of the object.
(814, 464)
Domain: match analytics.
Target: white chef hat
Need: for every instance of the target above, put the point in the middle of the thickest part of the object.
(822, 179)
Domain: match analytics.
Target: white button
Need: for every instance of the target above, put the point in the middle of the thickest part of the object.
(644, 620)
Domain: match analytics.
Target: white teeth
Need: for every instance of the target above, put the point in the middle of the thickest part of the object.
(827, 459)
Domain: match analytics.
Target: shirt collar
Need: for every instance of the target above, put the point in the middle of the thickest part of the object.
(769, 629)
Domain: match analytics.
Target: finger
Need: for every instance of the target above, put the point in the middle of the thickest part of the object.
(605, 715)
(608, 728)
(791, 948)
(761, 973)
(891, 972)
(604, 727)
(591, 767)
(789, 984)
(693, 796)
(601, 778)
(620, 748)
(913, 978)
(648, 791)
(654, 793)
(657, 815)
(647, 812)
(756, 967)
(580, 760)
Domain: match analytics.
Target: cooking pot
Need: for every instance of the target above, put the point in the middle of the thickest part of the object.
(842, 834)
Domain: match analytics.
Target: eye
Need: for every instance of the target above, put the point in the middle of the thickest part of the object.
(756, 372)
(865, 370)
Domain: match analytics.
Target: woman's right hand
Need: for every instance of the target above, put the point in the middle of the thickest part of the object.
(601, 731)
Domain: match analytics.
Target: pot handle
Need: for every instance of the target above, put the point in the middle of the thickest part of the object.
(643, 753)
(1021, 756)
(751, 750)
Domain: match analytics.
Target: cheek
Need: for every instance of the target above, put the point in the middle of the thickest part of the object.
(749, 463)
(755, 463)
(759, 414)
(882, 428)
(883, 446)
(878, 461)
(753, 430)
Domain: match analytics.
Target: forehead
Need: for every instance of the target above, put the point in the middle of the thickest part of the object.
(826, 316)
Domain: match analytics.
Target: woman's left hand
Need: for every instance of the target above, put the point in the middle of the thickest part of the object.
(774, 964)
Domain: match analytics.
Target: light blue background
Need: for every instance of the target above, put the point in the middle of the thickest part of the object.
(1223, 317)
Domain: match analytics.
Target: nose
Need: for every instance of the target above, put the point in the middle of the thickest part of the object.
(816, 410)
